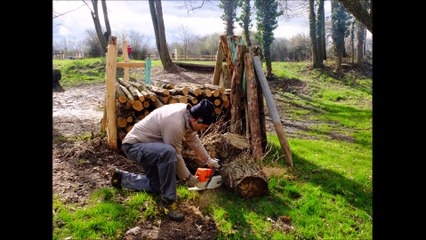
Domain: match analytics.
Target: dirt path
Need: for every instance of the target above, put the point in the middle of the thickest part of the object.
(81, 167)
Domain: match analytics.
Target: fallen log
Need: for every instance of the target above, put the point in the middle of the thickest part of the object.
(244, 176)
(196, 67)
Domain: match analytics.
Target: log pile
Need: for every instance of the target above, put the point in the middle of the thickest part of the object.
(135, 100)
(238, 139)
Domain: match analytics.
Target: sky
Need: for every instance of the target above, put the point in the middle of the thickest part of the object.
(124, 16)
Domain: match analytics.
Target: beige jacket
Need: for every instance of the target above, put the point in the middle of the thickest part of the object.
(169, 124)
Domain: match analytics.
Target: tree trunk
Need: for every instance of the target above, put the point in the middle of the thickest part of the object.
(359, 9)
(321, 30)
(246, 21)
(316, 61)
(238, 169)
(160, 36)
(98, 27)
(360, 42)
(107, 34)
(229, 16)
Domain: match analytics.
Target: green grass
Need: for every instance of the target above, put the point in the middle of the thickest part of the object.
(86, 71)
(327, 195)
(105, 217)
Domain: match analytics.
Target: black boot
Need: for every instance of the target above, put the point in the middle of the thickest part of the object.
(117, 175)
(168, 206)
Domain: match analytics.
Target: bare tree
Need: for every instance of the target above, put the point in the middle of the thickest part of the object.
(93, 48)
(102, 36)
(139, 43)
(185, 35)
(160, 36)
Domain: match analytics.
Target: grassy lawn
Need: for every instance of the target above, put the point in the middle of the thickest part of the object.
(327, 195)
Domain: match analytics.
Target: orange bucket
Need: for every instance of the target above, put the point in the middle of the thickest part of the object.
(203, 174)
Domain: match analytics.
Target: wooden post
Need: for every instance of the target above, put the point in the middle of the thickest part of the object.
(262, 120)
(252, 103)
(236, 90)
(148, 70)
(273, 111)
(228, 54)
(126, 59)
(111, 71)
(218, 67)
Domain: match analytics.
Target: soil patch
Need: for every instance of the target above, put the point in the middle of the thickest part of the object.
(82, 161)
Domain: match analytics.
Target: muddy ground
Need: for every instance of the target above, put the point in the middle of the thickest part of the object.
(80, 167)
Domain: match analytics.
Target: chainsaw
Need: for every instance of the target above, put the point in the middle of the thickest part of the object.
(206, 179)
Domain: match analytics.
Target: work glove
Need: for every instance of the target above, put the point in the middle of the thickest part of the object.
(191, 181)
(213, 162)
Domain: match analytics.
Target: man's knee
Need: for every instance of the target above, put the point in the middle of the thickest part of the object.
(169, 152)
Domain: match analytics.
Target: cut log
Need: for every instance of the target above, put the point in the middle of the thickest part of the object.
(223, 146)
(121, 122)
(158, 90)
(192, 100)
(179, 91)
(120, 95)
(239, 170)
(137, 105)
(128, 94)
(244, 176)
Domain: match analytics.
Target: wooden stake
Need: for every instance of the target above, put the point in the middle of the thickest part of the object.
(218, 66)
(252, 102)
(126, 59)
(111, 71)
(273, 110)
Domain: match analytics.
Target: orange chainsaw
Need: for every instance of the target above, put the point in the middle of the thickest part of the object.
(206, 179)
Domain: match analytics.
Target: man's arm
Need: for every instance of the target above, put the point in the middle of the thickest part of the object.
(195, 144)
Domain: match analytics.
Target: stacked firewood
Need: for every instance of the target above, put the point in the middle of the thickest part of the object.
(134, 100)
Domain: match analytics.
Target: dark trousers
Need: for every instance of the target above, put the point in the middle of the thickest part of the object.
(159, 163)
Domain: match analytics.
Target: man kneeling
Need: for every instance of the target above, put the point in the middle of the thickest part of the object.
(155, 142)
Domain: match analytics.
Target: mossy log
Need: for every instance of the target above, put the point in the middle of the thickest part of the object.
(245, 176)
